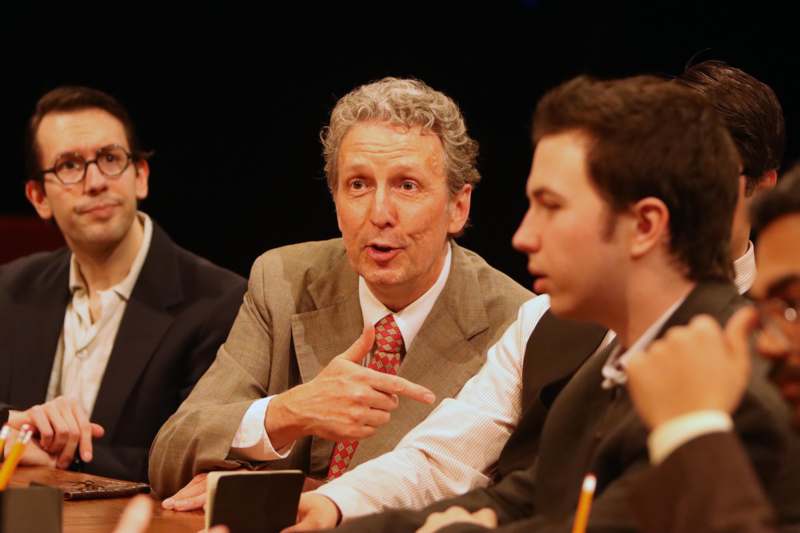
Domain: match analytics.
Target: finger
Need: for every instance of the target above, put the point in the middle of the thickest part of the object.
(359, 349)
(136, 516)
(59, 428)
(73, 434)
(400, 386)
(43, 426)
(376, 418)
(486, 517)
(97, 430)
(372, 398)
(737, 334)
(85, 432)
(189, 504)
(194, 488)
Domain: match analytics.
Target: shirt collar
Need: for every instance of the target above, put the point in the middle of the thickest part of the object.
(125, 287)
(410, 318)
(614, 369)
(745, 269)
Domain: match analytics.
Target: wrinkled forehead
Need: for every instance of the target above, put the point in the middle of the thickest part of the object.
(84, 132)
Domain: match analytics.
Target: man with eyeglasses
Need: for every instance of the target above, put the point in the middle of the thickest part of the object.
(102, 339)
(685, 385)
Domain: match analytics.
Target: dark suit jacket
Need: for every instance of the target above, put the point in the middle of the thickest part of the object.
(180, 310)
(708, 485)
(571, 426)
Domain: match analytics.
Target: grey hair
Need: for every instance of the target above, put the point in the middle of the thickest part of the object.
(410, 103)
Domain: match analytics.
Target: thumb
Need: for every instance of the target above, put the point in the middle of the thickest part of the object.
(97, 431)
(359, 349)
(486, 517)
(737, 334)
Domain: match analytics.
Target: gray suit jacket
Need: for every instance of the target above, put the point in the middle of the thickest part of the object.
(300, 311)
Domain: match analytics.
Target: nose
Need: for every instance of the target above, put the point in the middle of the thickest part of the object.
(94, 181)
(527, 238)
(383, 212)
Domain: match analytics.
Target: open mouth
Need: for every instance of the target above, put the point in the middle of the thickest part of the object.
(381, 252)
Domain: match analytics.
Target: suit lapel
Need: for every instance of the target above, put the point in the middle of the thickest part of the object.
(33, 353)
(441, 357)
(332, 323)
(146, 320)
(555, 349)
(611, 432)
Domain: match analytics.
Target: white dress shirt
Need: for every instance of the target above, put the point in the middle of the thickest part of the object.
(84, 347)
(454, 449)
(251, 440)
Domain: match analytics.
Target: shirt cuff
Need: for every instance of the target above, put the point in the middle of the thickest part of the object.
(673, 434)
(348, 500)
(251, 440)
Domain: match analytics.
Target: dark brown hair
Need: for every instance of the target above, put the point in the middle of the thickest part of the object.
(748, 108)
(75, 98)
(781, 201)
(652, 138)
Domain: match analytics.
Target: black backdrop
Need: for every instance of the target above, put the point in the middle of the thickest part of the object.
(232, 96)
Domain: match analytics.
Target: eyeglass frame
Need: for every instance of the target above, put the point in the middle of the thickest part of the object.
(130, 159)
(774, 323)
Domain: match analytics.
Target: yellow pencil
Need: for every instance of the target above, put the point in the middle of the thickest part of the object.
(3, 436)
(584, 504)
(11, 462)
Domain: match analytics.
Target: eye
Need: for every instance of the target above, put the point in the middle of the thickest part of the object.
(110, 157)
(357, 184)
(409, 185)
(69, 165)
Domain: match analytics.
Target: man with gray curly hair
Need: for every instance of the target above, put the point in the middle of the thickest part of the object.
(334, 336)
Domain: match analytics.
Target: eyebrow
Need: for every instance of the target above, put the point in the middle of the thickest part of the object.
(782, 284)
(540, 192)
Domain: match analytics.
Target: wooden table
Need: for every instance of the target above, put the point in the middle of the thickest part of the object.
(101, 516)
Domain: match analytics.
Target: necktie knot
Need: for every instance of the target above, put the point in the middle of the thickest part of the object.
(388, 338)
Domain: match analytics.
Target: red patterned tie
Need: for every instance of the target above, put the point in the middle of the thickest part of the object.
(386, 355)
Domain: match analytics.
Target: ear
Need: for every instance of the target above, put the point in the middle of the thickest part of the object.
(142, 177)
(767, 181)
(651, 226)
(34, 191)
(459, 209)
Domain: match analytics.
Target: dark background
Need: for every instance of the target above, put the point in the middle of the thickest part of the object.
(231, 96)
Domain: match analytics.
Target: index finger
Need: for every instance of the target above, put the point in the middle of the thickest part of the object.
(85, 428)
(396, 385)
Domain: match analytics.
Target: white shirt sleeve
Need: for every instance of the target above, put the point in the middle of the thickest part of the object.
(673, 434)
(455, 447)
(251, 440)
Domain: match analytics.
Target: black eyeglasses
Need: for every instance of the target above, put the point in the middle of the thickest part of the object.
(779, 315)
(70, 169)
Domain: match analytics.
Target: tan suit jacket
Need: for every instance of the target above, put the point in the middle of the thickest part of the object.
(301, 310)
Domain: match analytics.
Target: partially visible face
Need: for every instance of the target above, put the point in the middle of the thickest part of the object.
(394, 208)
(564, 231)
(777, 288)
(98, 212)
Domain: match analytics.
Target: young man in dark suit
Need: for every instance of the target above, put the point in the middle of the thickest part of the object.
(701, 479)
(107, 336)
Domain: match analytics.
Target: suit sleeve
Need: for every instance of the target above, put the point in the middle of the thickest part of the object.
(131, 462)
(198, 436)
(690, 492)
